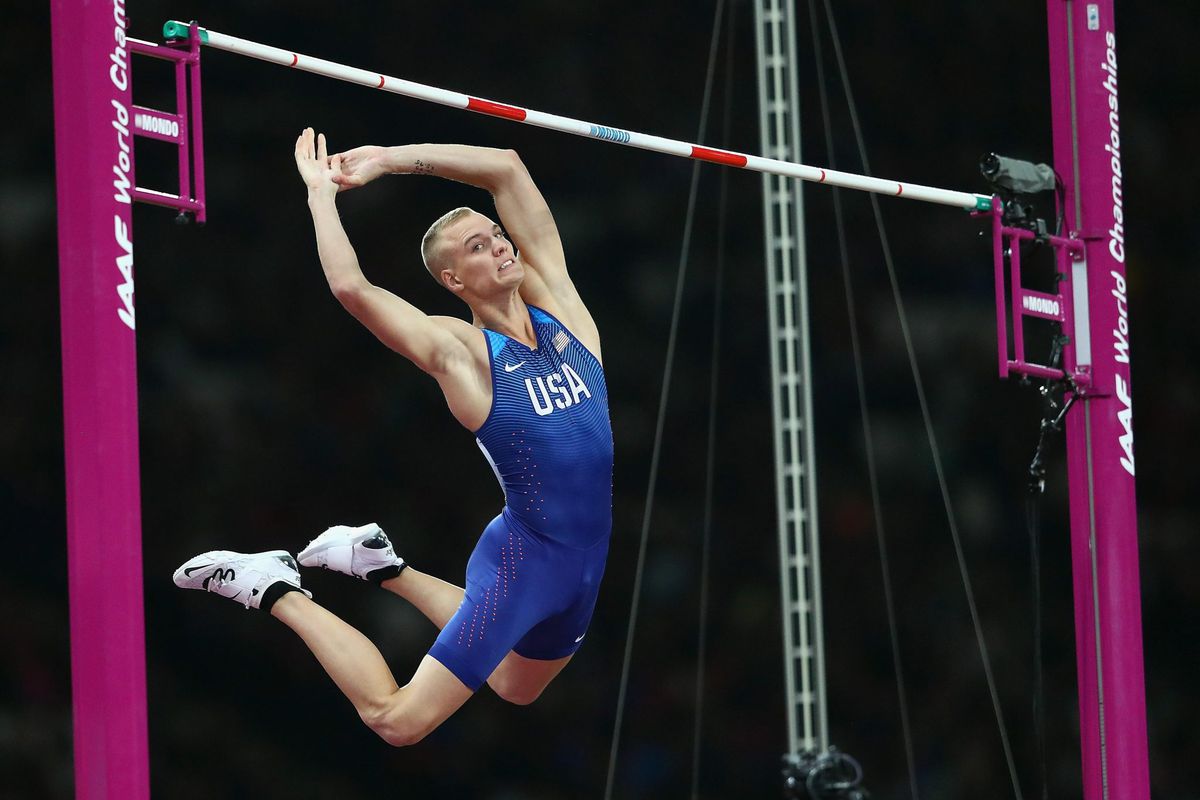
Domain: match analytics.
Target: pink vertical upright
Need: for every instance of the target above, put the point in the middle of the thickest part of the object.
(94, 154)
(1101, 467)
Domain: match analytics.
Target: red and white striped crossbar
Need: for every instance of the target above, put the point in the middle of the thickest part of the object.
(387, 83)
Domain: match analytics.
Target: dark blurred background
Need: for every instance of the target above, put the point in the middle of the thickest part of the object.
(268, 414)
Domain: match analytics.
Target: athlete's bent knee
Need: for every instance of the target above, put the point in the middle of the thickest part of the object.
(401, 737)
(522, 698)
(513, 692)
(396, 730)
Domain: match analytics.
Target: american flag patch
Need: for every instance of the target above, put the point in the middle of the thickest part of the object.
(560, 341)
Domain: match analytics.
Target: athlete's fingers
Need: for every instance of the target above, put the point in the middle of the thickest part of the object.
(302, 156)
(322, 155)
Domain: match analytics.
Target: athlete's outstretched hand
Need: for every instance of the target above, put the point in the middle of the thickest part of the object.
(316, 168)
(360, 166)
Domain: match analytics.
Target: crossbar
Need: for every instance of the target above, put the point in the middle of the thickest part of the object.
(419, 91)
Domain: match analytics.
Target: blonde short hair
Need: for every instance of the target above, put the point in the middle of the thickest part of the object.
(431, 251)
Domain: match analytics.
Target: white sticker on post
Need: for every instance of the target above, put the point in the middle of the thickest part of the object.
(1093, 16)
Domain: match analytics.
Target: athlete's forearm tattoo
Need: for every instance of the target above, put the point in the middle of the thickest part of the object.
(422, 168)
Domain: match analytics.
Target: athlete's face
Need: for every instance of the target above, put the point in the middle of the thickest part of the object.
(481, 258)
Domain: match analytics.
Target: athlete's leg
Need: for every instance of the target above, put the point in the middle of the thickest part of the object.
(522, 680)
(361, 550)
(433, 597)
(549, 645)
(517, 679)
(401, 715)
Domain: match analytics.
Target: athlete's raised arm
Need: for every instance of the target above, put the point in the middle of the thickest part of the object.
(435, 344)
(522, 209)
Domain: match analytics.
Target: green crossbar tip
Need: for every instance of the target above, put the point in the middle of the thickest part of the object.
(983, 204)
(173, 29)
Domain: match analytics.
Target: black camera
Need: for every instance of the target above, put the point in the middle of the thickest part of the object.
(1017, 182)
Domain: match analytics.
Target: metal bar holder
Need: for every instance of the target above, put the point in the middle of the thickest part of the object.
(1022, 302)
(182, 128)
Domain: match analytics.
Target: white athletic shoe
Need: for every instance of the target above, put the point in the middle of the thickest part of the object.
(359, 552)
(239, 576)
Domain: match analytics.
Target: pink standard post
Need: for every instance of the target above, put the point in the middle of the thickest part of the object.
(1108, 621)
(94, 160)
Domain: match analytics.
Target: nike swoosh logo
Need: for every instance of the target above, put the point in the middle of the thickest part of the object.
(511, 367)
(188, 572)
(580, 639)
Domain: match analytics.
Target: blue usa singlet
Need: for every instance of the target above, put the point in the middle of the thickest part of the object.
(548, 435)
(532, 580)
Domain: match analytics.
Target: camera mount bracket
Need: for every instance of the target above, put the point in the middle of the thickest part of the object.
(1068, 306)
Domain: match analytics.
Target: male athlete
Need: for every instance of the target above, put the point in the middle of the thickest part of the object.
(525, 377)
